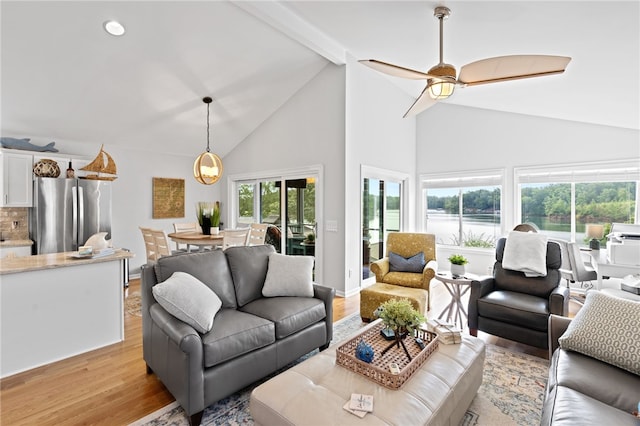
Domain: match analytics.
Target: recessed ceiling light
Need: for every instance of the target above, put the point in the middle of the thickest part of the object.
(114, 28)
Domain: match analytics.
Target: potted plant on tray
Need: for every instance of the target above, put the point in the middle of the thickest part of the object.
(401, 317)
(457, 264)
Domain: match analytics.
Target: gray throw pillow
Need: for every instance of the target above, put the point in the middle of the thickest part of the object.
(415, 263)
(606, 328)
(188, 299)
(289, 276)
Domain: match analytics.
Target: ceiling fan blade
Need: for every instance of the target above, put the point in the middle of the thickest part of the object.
(423, 102)
(394, 70)
(504, 68)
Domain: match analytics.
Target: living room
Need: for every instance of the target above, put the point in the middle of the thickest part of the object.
(341, 117)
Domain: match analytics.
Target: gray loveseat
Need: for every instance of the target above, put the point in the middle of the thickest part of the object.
(251, 337)
(583, 389)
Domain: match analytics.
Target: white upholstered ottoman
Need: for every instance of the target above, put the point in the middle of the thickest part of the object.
(314, 391)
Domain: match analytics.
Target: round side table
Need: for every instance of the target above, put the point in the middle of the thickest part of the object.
(457, 287)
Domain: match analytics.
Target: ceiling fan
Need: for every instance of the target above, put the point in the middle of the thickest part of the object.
(441, 79)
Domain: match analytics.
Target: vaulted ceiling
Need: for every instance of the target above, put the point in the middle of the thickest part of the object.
(64, 78)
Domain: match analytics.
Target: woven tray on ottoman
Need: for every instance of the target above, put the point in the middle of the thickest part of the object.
(378, 369)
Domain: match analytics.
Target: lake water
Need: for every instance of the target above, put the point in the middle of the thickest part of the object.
(487, 227)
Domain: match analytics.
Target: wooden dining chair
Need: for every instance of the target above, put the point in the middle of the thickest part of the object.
(234, 237)
(149, 244)
(185, 227)
(257, 234)
(162, 243)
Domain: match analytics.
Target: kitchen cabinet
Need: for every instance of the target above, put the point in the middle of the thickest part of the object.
(16, 176)
(11, 252)
(55, 306)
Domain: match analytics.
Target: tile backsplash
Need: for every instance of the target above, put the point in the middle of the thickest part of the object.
(14, 223)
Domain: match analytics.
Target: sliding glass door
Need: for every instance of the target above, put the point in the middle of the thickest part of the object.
(292, 213)
(382, 212)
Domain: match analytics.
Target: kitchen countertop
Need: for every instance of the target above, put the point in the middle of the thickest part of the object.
(55, 260)
(16, 243)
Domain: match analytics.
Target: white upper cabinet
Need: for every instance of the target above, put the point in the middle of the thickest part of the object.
(17, 181)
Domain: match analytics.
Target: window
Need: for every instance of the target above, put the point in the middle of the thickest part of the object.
(464, 210)
(562, 200)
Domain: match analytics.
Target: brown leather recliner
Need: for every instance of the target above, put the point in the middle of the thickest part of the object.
(516, 307)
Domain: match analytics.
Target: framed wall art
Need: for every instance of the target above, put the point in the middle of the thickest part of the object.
(168, 198)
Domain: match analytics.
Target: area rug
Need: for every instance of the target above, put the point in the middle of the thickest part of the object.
(133, 303)
(511, 392)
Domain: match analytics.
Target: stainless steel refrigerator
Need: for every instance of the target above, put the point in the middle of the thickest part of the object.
(66, 212)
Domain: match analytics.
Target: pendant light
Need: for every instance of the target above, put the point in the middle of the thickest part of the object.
(207, 169)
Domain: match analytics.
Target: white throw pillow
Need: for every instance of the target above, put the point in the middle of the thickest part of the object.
(526, 252)
(606, 328)
(289, 276)
(188, 299)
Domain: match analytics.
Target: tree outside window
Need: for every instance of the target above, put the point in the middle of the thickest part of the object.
(551, 208)
(464, 216)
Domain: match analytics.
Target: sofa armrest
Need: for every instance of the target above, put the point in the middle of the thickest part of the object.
(326, 294)
(557, 326)
(180, 333)
(380, 267)
(559, 301)
(478, 290)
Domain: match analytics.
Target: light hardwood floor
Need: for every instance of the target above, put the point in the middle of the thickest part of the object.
(109, 386)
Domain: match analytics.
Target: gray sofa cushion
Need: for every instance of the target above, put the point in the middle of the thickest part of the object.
(515, 308)
(235, 333)
(290, 314)
(249, 269)
(210, 267)
(596, 379)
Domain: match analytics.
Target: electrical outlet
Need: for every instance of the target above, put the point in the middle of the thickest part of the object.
(14, 224)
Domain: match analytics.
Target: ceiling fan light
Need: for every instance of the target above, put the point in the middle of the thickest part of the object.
(440, 89)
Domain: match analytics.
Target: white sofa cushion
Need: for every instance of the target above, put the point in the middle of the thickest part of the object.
(188, 299)
(289, 276)
(606, 328)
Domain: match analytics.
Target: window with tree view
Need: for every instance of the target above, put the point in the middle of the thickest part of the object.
(551, 209)
(562, 200)
(466, 216)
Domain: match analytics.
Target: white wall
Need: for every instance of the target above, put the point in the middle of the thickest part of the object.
(132, 192)
(307, 130)
(377, 136)
(455, 138)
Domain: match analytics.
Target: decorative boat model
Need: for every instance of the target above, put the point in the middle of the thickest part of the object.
(103, 163)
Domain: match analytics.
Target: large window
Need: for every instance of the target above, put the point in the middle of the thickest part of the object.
(561, 201)
(464, 210)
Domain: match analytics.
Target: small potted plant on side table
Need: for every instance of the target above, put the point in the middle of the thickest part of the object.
(457, 265)
(400, 316)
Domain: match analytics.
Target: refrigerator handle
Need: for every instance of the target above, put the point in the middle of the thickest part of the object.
(74, 194)
(81, 237)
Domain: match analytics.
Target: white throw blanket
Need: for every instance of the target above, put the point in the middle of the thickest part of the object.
(526, 252)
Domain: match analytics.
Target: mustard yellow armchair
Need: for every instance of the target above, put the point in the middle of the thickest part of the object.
(396, 284)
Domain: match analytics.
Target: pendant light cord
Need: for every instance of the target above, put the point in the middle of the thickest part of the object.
(208, 127)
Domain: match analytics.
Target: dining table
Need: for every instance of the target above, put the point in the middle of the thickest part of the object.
(192, 238)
